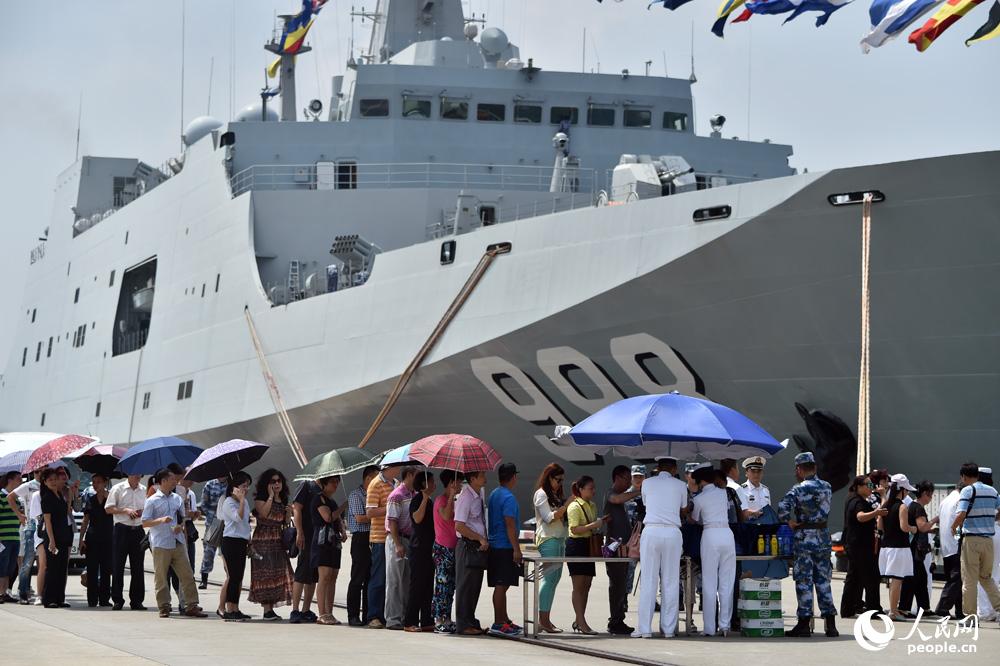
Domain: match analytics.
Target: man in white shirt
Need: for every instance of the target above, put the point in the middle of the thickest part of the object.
(951, 595)
(986, 611)
(125, 502)
(753, 493)
(660, 549)
(164, 515)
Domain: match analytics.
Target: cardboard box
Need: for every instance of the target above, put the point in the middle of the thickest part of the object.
(763, 633)
(759, 604)
(763, 614)
(760, 585)
(763, 623)
(760, 594)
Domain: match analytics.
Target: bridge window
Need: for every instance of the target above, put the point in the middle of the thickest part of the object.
(76, 295)
(491, 113)
(454, 109)
(527, 113)
(33, 313)
(677, 122)
(111, 280)
(184, 389)
(601, 116)
(48, 353)
(24, 357)
(558, 114)
(416, 108)
(38, 352)
(374, 108)
(638, 118)
(97, 412)
(145, 400)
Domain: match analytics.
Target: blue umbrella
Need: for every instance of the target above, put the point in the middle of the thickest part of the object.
(676, 425)
(398, 456)
(155, 454)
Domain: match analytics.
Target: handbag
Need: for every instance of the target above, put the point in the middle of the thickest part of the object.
(289, 536)
(213, 533)
(595, 542)
(631, 547)
(474, 558)
(192, 531)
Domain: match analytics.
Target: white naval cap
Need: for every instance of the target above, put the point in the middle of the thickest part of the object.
(986, 470)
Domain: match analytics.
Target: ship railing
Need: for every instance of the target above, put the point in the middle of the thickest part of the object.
(354, 176)
(558, 202)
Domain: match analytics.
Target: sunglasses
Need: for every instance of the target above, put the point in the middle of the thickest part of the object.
(275, 480)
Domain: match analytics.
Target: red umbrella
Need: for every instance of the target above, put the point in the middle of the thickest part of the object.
(461, 453)
(58, 448)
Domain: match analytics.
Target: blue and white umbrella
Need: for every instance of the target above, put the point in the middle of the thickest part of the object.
(398, 456)
(672, 424)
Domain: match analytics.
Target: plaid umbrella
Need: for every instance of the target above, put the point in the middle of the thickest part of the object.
(336, 463)
(225, 459)
(50, 452)
(461, 453)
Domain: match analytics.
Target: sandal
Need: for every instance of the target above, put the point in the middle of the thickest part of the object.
(897, 617)
(328, 620)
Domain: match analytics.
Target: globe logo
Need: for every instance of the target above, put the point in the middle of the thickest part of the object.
(870, 638)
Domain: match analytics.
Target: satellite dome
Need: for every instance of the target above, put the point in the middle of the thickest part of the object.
(252, 113)
(494, 41)
(471, 31)
(199, 128)
(447, 39)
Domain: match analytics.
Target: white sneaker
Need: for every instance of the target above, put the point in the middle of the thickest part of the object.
(639, 634)
(38, 601)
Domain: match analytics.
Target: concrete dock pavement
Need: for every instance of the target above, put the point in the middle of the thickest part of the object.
(83, 635)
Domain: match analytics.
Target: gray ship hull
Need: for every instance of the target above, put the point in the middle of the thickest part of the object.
(764, 316)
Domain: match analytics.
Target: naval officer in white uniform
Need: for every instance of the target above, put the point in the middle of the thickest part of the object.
(753, 493)
(718, 549)
(660, 548)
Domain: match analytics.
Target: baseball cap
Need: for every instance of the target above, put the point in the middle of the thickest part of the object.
(902, 482)
(638, 470)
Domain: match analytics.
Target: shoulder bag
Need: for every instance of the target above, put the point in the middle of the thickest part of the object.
(631, 548)
(595, 540)
(213, 533)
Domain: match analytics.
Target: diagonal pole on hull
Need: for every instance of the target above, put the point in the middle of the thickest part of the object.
(435, 336)
(864, 382)
(272, 388)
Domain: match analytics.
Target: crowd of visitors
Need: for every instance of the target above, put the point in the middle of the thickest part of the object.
(421, 544)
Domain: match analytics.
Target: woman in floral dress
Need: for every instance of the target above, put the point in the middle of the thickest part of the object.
(270, 570)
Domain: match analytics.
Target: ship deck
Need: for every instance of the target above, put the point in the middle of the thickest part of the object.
(83, 635)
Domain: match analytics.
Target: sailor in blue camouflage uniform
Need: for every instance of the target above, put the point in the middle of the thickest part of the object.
(806, 508)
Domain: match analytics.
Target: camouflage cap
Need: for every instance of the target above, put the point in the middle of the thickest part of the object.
(805, 458)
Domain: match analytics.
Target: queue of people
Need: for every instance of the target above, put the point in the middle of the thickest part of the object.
(887, 536)
(422, 544)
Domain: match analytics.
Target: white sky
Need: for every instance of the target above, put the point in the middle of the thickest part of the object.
(808, 87)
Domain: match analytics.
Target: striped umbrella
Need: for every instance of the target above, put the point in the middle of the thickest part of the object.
(461, 453)
(14, 462)
(51, 452)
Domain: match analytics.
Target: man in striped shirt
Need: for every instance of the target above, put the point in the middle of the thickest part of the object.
(376, 501)
(10, 536)
(978, 510)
